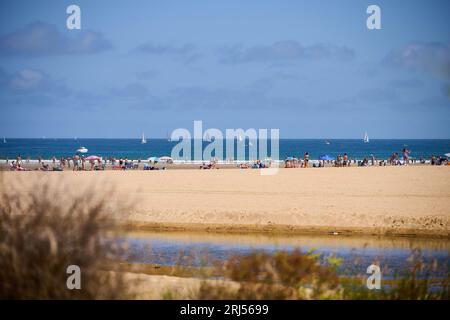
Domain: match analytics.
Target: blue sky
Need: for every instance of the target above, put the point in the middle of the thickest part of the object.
(310, 68)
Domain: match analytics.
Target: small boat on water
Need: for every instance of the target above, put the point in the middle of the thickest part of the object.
(327, 142)
(4, 140)
(366, 138)
(82, 150)
(143, 141)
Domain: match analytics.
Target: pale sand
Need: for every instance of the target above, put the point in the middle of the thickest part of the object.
(374, 200)
(152, 287)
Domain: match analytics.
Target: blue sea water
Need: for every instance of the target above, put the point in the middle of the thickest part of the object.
(133, 149)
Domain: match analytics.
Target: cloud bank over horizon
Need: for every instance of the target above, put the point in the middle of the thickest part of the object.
(42, 39)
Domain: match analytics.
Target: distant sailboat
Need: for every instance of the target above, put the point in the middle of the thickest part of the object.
(143, 139)
(327, 142)
(240, 138)
(168, 137)
(4, 140)
(366, 138)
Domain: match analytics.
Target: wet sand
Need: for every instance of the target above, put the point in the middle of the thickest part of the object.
(407, 200)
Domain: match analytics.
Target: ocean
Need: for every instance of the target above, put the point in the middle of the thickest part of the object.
(133, 149)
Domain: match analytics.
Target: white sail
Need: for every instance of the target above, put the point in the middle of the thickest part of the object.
(4, 140)
(143, 139)
(366, 138)
(240, 138)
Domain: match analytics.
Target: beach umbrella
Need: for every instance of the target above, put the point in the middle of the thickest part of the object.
(153, 159)
(95, 158)
(326, 157)
(447, 154)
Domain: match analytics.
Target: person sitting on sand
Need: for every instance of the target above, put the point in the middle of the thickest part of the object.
(17, 167)
(204, 166)
(20, 168)
(57, 168)
(391, 159)
(394, 159)
(364, 163)
(44, 167)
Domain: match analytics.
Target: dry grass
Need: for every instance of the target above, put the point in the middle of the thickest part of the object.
(283, 275)
(418, 282)
(294, 275)
(40, 237)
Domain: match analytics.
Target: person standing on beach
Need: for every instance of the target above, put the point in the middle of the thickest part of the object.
(405, 156)
(76, 163)
(305, 160)
(346, 161)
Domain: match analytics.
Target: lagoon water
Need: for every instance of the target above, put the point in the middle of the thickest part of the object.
(133, 149)
(392, 254)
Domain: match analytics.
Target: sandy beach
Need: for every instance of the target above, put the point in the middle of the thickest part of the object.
(406, 200)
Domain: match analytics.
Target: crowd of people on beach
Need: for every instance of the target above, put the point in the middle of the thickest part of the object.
(81, 163)
(78, 163)
(345, 161)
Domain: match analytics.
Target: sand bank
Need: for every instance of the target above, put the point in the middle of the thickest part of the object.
(403, 200)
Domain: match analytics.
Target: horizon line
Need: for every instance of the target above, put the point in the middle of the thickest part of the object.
(165, 138)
